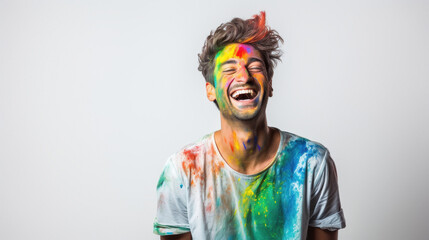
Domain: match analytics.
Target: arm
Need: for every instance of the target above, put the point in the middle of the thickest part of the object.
(320, 234)
(171, 218)
(185, 236)
(325, 207)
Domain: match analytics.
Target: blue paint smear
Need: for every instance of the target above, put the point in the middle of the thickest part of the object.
(181, 185)
(288, 177)
(244, 145)
(248, 49)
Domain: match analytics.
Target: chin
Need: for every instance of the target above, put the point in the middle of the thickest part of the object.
(241, 115)
(246, 116)
(235, 111)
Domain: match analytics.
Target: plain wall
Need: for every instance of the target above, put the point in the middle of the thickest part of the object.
(95, 95)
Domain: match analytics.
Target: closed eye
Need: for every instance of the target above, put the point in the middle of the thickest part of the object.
(229, 70)
(255, 69)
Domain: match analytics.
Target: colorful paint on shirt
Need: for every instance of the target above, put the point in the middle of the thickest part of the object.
(205, 195)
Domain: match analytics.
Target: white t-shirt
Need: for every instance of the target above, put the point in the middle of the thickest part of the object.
(199, 192)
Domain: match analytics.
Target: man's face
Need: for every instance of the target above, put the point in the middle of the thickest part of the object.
(240, 82)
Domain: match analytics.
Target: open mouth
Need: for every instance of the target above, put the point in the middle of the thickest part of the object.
(244, 94)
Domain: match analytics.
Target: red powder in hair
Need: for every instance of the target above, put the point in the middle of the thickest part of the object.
(261, 30)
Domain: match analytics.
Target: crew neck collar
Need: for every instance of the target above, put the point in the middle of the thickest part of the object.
(280, 147)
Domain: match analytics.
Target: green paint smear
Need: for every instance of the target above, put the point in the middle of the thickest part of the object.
(161, 229)
(260, 209)
(162, 178)
(270, 206)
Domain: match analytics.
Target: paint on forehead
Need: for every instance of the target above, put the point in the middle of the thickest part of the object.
(243, 50)
(234, 50)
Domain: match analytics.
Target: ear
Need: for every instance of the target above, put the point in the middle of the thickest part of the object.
(211, 92)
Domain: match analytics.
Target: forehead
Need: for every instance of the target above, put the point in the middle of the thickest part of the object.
(236, 51)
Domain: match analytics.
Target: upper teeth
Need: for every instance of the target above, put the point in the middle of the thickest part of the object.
(244, 91)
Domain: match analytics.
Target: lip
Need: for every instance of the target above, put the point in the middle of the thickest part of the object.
(245, 103)
(243, 88)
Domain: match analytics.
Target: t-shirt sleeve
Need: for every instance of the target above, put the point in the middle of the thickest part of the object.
(326, 212)
(172, 214)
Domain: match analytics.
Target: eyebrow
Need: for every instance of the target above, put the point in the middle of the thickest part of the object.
(228, 62)
(251, 60)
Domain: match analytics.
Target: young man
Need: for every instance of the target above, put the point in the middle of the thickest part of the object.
(247, 180)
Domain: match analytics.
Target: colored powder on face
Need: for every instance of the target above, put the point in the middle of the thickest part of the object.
(231, 51)
(239, 55)
(229, 83)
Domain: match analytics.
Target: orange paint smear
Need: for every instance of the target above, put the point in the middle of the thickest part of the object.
(216, 164)
(212, 151)
(189, 165)
(209, 207)
(232, 147)
(191, 153)
(210, 199)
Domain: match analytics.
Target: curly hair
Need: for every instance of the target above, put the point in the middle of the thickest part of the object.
(251, 31)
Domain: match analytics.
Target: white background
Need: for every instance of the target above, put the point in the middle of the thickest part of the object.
(95, 95)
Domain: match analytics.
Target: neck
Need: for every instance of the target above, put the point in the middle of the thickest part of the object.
(247, 146)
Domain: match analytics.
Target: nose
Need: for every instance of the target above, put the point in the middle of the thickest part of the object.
(243, 75)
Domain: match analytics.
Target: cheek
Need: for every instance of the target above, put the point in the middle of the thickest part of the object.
(228, 82)
(223, 85)
(260, 78)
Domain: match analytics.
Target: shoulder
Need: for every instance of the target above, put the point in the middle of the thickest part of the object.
(314, 152)
(191, 157)
(293, 141)
(194, 150)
